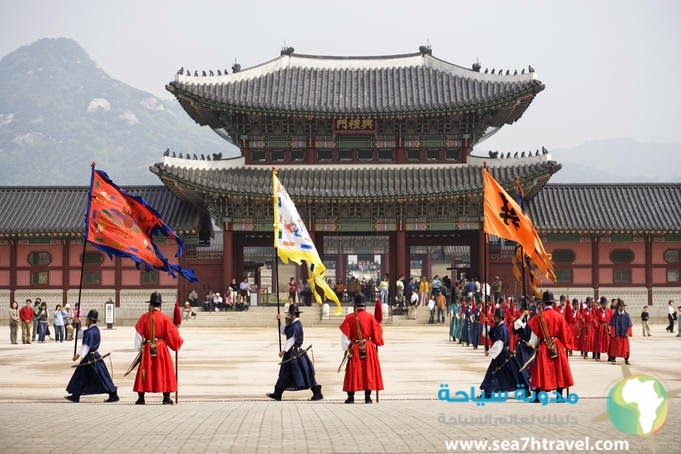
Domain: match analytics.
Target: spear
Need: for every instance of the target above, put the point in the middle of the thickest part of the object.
(177, 321)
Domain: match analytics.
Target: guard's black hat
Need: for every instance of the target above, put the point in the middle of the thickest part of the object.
(547, 298)
(92, 315)
(155, 299)
(603, 300)
(499, 312)
(293, 309)
(360, 300)
(575, 301)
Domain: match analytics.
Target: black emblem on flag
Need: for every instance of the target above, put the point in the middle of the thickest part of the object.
(508, 213)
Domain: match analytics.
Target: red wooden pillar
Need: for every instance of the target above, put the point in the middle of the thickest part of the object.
(66, 273)
(228, 267)
(649, 267)
(595, 264)
(401, 266)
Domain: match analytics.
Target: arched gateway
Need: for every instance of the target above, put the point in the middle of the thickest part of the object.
(374, 151)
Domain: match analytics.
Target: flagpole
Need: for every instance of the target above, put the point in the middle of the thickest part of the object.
(80, 289)
(484, 293)
(275, 277)
(82, 262)
(522, 255)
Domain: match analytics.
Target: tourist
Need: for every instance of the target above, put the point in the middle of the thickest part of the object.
(68, 322)
(671, 316)
(645, 316)
(58, 323)
(43, 316)
(424, 291)
(14, 321)
(26, 314)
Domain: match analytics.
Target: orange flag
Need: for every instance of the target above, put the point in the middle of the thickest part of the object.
(505, 219)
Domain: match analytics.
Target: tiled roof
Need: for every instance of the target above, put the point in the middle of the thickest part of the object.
(359, 182)
(385, 86)
(607, 208)
(59, 211)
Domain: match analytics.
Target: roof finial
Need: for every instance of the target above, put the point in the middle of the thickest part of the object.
(426, 50)
(476, 66)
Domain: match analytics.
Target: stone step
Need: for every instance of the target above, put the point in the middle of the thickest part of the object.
(263, 316)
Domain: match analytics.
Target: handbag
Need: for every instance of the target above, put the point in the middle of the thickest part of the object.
(674, 316)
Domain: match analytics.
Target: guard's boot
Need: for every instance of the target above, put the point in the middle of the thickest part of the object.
(317, 393)
(351, 398)
(166, 399)
(276, 395)
(113, 397)
(367, 397)
(73, 398)
(140, 399)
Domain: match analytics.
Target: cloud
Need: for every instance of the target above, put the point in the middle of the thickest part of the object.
(129, 117)
(152, 103)
(26, 140)
(99, 104)
(6, 119)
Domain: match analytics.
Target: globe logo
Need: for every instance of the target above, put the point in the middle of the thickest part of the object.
(637, 405)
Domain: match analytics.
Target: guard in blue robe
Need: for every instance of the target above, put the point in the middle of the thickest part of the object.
(503, 373)
(91, 375)
(523, 350)
(466, 324)
(455, 323)
(476, 327)
(296, 371)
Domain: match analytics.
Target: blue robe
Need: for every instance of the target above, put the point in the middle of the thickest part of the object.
(523, 352)
(455, 326)
(298, 373)
(91, 378)
(503, 371)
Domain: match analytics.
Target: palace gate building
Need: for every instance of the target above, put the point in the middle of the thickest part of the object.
(376, 153)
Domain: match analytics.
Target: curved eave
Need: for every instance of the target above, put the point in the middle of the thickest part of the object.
(345, 184)
(202, 109)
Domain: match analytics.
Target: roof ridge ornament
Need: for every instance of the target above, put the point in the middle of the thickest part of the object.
(287, 51)
(426, 50)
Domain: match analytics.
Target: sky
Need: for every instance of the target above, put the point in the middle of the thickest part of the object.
(611, 68)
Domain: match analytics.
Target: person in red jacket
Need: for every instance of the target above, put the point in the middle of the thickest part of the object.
(26, 315)
(549, 372)
(155, 333)
(363, 371)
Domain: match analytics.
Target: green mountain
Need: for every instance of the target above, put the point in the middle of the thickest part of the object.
(59, 112)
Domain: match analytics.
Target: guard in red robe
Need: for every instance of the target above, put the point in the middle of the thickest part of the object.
(601, 319)
(549, 374)
(155, 335)
(620, 332)
(571, 318)
(587, 328)
(362, 372)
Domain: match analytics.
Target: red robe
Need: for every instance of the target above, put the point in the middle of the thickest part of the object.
(571, 341)
(550, 374)
(363, 374)
(601, 318)
(510, 316)
(586, 340)
(156, 375)
(620, 330)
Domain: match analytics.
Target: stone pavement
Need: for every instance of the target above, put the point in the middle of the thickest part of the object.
(226, 370)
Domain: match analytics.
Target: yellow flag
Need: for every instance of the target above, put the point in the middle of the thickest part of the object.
(292, 242)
